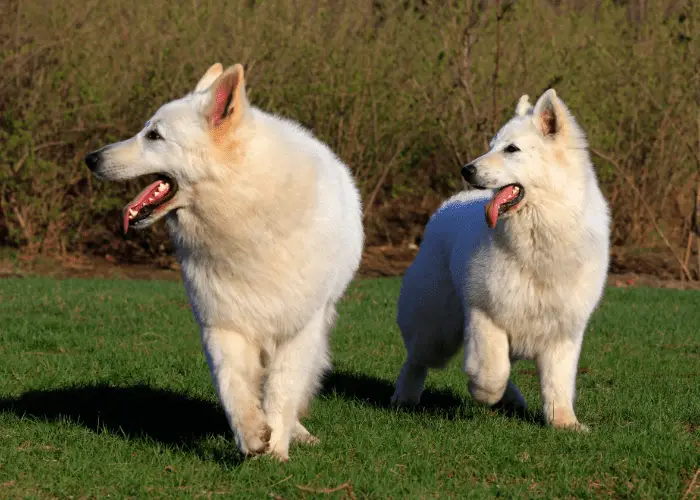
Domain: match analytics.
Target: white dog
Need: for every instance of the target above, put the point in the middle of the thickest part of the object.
(523, 283)
(267, 226)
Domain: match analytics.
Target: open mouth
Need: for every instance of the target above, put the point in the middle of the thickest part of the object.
(505, 200)
(149, 202)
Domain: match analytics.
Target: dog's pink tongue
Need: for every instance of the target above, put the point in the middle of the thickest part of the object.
(148, 195)
(493, 207)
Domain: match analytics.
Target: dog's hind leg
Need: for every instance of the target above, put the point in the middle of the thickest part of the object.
(557, 368)
(410, 384)
(428, 346)
(301, 435)
(295, 373)
(487, 362)
(512, 399)
(236, 371)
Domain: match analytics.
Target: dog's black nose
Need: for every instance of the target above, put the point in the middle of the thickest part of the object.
(468, 172)
(92, 160)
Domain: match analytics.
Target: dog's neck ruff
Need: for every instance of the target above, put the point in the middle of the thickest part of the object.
(535, 236)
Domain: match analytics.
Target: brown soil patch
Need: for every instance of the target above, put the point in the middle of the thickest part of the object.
(649, 270)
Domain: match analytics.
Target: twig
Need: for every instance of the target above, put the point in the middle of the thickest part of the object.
(380, 182)
(453, 144)
(494, 83)
(18, 30)
(282, 481)
(24, 157)
(467, 44)
(646, 206)
(697, 197)
(344, 486)
(692, 483)
(688, 248)
(697, 222)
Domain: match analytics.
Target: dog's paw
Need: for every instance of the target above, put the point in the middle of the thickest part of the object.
(582, 428)
(301, 435)
(254, 441)
(279, 448)
(307, 438)
(280, 455)
(401, 401)
(572, 426)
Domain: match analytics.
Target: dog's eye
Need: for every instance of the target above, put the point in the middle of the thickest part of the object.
(153, 135)
(511, 148)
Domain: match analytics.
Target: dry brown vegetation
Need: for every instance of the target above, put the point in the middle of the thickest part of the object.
(404, 91)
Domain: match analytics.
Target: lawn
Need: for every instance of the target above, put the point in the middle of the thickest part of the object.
(104, 390)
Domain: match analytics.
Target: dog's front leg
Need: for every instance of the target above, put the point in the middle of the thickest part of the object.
(557, 367)
(236, 371)
(487, 362)
(295, 372)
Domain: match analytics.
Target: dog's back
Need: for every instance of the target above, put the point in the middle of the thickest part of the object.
(432, 300)
(335, 232)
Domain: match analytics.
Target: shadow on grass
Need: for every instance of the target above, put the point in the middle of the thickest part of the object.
(174, 419)
(139, 411)
(377, 392)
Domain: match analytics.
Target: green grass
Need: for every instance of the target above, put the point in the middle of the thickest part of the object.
(104, 390)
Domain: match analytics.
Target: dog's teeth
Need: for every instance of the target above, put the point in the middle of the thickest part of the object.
(132, 213)
(516, 189)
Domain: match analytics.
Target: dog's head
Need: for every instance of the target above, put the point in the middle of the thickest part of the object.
(186, 142)
(538, 152)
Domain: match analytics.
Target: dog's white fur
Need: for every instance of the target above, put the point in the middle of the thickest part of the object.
(267, 228)
(524, 290)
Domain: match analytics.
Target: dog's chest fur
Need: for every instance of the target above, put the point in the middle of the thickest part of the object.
(261, 287)
(537, 291)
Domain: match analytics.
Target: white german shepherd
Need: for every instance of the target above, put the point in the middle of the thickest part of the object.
(520, 284)
(267, 226)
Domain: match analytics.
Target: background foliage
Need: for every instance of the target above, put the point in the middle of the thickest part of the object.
(404, 91)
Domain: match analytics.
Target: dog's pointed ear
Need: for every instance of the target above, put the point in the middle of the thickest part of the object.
(208, 78)
(550, 114)
(523, 106)
(227, 97)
